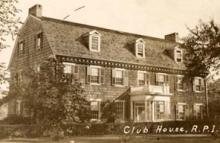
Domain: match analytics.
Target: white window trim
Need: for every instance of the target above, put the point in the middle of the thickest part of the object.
(139, 41)
(119, 69)
(175, 54)
(194, 89)
(181, 76)
(97, 34)
(93, 66)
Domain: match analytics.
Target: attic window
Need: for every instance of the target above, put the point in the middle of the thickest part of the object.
(94, 41)
(140, 48)
(39, 41)
(21, 48)
(178, 55)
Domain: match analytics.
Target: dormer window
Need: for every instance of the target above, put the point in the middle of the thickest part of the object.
(140, 48)
(178, 55)
(94, 41)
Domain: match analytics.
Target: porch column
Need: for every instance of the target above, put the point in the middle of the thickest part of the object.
(131, 110)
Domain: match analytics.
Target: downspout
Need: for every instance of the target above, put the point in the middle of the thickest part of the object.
(207, 98)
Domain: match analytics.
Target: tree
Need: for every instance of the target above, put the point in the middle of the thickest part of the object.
(202, 47)
(53, 97)
(109, 111)
(9, 21)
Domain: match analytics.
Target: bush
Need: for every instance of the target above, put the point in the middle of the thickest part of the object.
(14, 119)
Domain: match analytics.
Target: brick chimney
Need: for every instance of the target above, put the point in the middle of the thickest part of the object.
(174, 37)
(36, 10)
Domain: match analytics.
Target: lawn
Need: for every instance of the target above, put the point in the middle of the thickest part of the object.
(116, 139)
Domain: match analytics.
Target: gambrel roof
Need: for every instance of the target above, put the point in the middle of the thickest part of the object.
(69, 39)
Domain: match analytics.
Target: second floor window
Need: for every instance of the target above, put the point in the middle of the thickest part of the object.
(95, 75)
(179, 83)
(39, 41)
(70, 68)
(143, 78)
(161, 79)
(119, 77)
(198, 84)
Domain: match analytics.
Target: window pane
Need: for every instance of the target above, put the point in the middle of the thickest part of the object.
(95, 42)
(94, 71)
(140, 49)
(118, 74)
(67, 68)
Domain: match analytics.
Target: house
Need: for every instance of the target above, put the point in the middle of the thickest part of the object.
(142, 74)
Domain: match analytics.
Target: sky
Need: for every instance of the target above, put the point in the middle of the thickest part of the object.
(148, 17)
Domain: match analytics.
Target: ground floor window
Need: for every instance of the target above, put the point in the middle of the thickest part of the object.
(181, 111)
(95, 105)
(198, 111)
(18, 107)
(120, 109)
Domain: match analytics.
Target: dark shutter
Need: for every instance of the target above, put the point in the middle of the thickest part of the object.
(125, 78)
(113, 76)
(88, 74)
(102, 75)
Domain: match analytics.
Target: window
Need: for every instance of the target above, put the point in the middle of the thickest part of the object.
(140, 48)
(70, 68)
(143, 78)
(161, 79)
(198, 110)
(21, 48)
(119, 77)
(119, 107)
(95, 75)
(94, 41)
(179, 83)
(178, 55)
(18, 107)
(181, 111)
(39, 41)
(159, 109)
(198, 84)
(95, 108)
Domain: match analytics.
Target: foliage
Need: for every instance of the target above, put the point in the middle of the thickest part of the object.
(55, 99)
(202, 48)
(9, 20)
(109, 111)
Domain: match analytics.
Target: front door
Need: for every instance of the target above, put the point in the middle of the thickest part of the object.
(139, 112)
